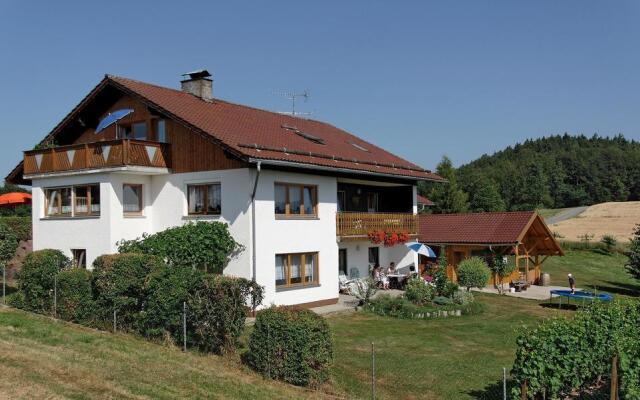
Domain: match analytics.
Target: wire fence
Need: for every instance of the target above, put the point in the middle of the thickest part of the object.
(381, 375)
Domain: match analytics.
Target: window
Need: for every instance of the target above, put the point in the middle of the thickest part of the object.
(204, 199)
(161, 130)
(342, 261)
(86, 200)
(296, 270)
(72, 201)
(137, 130)
(132, 199)
(374, 256)
(79, 258)
(295, 200)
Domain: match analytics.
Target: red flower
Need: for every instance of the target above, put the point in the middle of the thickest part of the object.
(376, 237)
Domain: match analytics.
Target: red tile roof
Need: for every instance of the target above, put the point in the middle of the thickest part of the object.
(425, 201)
(473, 228)
(265, 135)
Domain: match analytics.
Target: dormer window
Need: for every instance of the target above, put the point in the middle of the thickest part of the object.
(136, 130)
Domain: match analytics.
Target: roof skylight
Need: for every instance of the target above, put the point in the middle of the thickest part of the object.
(357, 146)
(308, 136)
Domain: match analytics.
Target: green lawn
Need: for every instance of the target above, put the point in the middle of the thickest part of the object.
(42, 358)
(591, 268)
(449, 358)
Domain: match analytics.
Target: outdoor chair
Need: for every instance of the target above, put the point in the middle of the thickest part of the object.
(344, 283)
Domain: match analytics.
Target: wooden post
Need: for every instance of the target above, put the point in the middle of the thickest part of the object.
(125, 152)
(614, 378)
(523, 391)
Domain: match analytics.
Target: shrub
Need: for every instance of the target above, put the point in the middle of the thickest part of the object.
(20, 226)
(462, 298)
(203, 245)
(450, 289)
(8, 244)
(633, 262)
(440, 274)
(119, 283)
(442, 301)
(419, 292)
(75, 297)
(37, 277)
(291, 345)
(165, 291)
(473, 272)
(216, 311)
(501, 268)
(561, 356)
(609, 242)
(364, 289)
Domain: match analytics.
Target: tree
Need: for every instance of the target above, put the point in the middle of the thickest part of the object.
(473, 272)
(484, 194)
(633, 264)
(448, 197)
(501, 269)
(609, 242)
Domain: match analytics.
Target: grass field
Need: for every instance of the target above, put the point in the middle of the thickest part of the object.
(592, 268)
(550, 212)
(614, 218)
(41, 358)
(449, 358)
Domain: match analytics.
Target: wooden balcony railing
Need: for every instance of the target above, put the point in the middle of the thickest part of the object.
(359, 224)
(112, 153)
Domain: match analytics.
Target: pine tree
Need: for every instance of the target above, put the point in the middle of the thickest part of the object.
(633, 265)
(448, 197)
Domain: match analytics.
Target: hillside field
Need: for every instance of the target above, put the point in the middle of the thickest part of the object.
(614, 218)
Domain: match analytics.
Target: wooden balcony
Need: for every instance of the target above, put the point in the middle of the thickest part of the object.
(357, 225)
(97, 155)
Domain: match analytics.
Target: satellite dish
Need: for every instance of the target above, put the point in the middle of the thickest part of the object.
(112, 118)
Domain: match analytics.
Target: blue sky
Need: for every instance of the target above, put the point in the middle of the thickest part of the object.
(422, 78)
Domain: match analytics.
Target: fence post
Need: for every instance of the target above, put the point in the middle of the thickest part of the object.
(55, 296)
(373, 371)
(504, 383)
(184, 326)
(523, 391)
(114, 320)
(4, 284)
(614, 378)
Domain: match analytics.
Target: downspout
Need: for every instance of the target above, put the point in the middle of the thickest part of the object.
(253, 222)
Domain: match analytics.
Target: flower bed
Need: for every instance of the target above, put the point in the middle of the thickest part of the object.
(400, 307)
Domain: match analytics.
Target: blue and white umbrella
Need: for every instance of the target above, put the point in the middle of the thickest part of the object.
(421, 249)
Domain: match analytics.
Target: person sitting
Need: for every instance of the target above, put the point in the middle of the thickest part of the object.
(379, 278)
(392, 268)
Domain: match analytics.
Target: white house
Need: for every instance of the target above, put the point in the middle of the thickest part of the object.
(300, 195)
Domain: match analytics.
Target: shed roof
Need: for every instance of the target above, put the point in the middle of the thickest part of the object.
(488, 228)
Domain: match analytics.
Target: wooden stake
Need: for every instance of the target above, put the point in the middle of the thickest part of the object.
(614, 378)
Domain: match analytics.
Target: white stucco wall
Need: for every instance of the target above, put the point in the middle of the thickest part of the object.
(165, 205)
(276, 236)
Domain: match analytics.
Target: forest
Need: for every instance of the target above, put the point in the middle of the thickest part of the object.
(550, 172)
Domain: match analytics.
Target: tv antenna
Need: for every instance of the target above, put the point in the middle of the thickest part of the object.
(293, 96)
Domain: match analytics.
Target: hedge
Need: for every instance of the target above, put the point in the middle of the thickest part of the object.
(203, 245)
(37, 277)
(119, 284)
(291, 345)
(561, 356)
(20, 226)
(165, 290)
(75, 296)
(217, 310)
(8, 244)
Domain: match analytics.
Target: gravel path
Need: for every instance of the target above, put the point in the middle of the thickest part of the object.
(566, 214)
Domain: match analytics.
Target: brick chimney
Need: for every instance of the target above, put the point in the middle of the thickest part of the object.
(198, 83)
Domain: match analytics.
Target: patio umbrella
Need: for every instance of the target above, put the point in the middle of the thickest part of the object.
(421, 248)
(15, 199)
